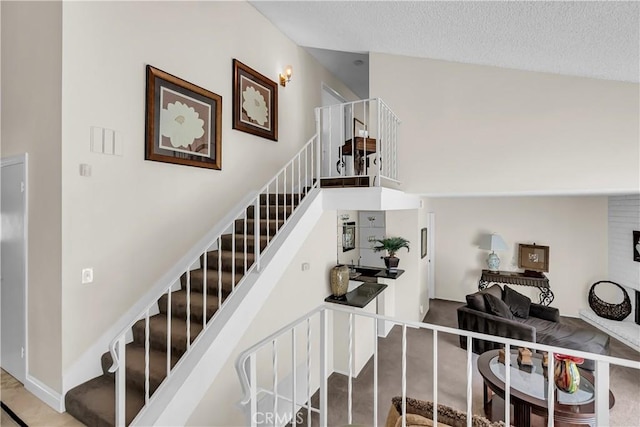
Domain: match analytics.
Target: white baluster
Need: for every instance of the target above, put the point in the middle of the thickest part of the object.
(121, 383)
(309, 372)
(469, 380)
(602, 392)
(146, 357)
(233, 256)
(375, 373)
(275, 380)
(323, 367)
(253, 390)
(168, 331)
(435, 378)
(188, 309)
(205, 257)
(404, 375)
(219, 272)
(294, 373)
(246, 237)
(350, 383)
(551, 389)
(256, 230)
(507, 384)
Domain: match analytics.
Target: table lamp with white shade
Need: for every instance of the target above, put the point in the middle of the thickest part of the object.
(493, 242)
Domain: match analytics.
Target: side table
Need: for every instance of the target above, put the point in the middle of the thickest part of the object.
(519, 279)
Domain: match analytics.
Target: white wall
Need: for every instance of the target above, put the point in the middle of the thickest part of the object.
(297, 293)
(133, 218)
(575, 229)
(472, 129)
(410, 288)
(624, 217)
(31, 98)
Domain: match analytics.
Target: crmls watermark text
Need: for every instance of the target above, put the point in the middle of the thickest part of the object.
(270, 418)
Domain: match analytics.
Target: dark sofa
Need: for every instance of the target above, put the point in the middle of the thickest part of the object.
(542, 325)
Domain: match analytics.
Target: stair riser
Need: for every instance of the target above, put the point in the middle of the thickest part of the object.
(227, 243)
(213, 282)
(179, 308)
(136, 375)
(272, 211)
(158, 339)
(273, 226)
(227, 260)
(281, 198)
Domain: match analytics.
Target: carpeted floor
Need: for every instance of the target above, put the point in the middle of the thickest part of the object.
(625, 382)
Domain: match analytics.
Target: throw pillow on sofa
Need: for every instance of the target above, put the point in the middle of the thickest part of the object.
(518, 304)
(476, 300)
(497, 307)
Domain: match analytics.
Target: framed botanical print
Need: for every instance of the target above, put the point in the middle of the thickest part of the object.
(183, 122)
(255, 102)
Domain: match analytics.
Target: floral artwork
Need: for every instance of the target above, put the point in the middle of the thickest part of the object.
(255, 102)
(254, 106)
(183, 122)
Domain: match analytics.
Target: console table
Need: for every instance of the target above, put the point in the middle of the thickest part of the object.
(520, 279)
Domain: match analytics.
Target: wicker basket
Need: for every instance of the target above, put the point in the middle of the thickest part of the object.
(607, 310)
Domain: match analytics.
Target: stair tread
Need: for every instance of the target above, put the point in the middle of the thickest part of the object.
(135, 362)
(93, 402)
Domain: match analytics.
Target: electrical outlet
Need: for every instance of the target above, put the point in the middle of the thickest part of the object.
(421, 309)
(305, 266)
(87, 275)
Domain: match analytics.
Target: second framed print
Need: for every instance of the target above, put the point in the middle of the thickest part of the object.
(255, 102)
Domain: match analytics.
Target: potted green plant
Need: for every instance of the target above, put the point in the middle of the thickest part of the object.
(391, 245)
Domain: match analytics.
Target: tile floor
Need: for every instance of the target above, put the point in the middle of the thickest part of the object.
(29, 408)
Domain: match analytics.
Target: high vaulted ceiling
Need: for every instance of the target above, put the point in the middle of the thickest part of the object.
(590, 39)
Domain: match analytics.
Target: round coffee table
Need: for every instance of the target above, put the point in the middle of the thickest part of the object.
(529, 391)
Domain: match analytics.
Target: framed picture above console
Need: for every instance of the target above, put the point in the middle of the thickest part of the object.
(534, 258)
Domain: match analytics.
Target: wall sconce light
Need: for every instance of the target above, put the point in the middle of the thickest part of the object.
(286, 77)
(344, 217)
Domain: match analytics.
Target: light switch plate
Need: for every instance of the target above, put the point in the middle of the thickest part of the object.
(97, 137)
(87, 275)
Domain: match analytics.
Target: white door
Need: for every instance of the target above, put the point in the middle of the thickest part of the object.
(431, 260)
(13, 268)
(333, 131)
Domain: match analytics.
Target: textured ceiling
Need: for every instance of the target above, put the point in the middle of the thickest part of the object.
(591, 39)
(351, 68)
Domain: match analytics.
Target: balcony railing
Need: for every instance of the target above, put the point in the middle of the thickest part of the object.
(359, 139)
(277, 393)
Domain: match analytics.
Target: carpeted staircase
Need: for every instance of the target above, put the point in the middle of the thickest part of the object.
(93, 402)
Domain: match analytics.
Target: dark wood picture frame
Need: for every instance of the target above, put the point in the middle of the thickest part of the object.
(196, 139)
(636, 245)
(254, 91)
(423, 242)
(529, 257)
(348, 236)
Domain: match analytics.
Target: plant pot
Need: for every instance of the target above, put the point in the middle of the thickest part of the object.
(391, 262)
(339, 280)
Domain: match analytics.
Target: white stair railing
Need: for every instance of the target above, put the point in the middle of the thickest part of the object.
(357, 139)
(317, 376)
(286, 190)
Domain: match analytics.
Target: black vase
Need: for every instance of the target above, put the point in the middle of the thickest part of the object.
(391, 263)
